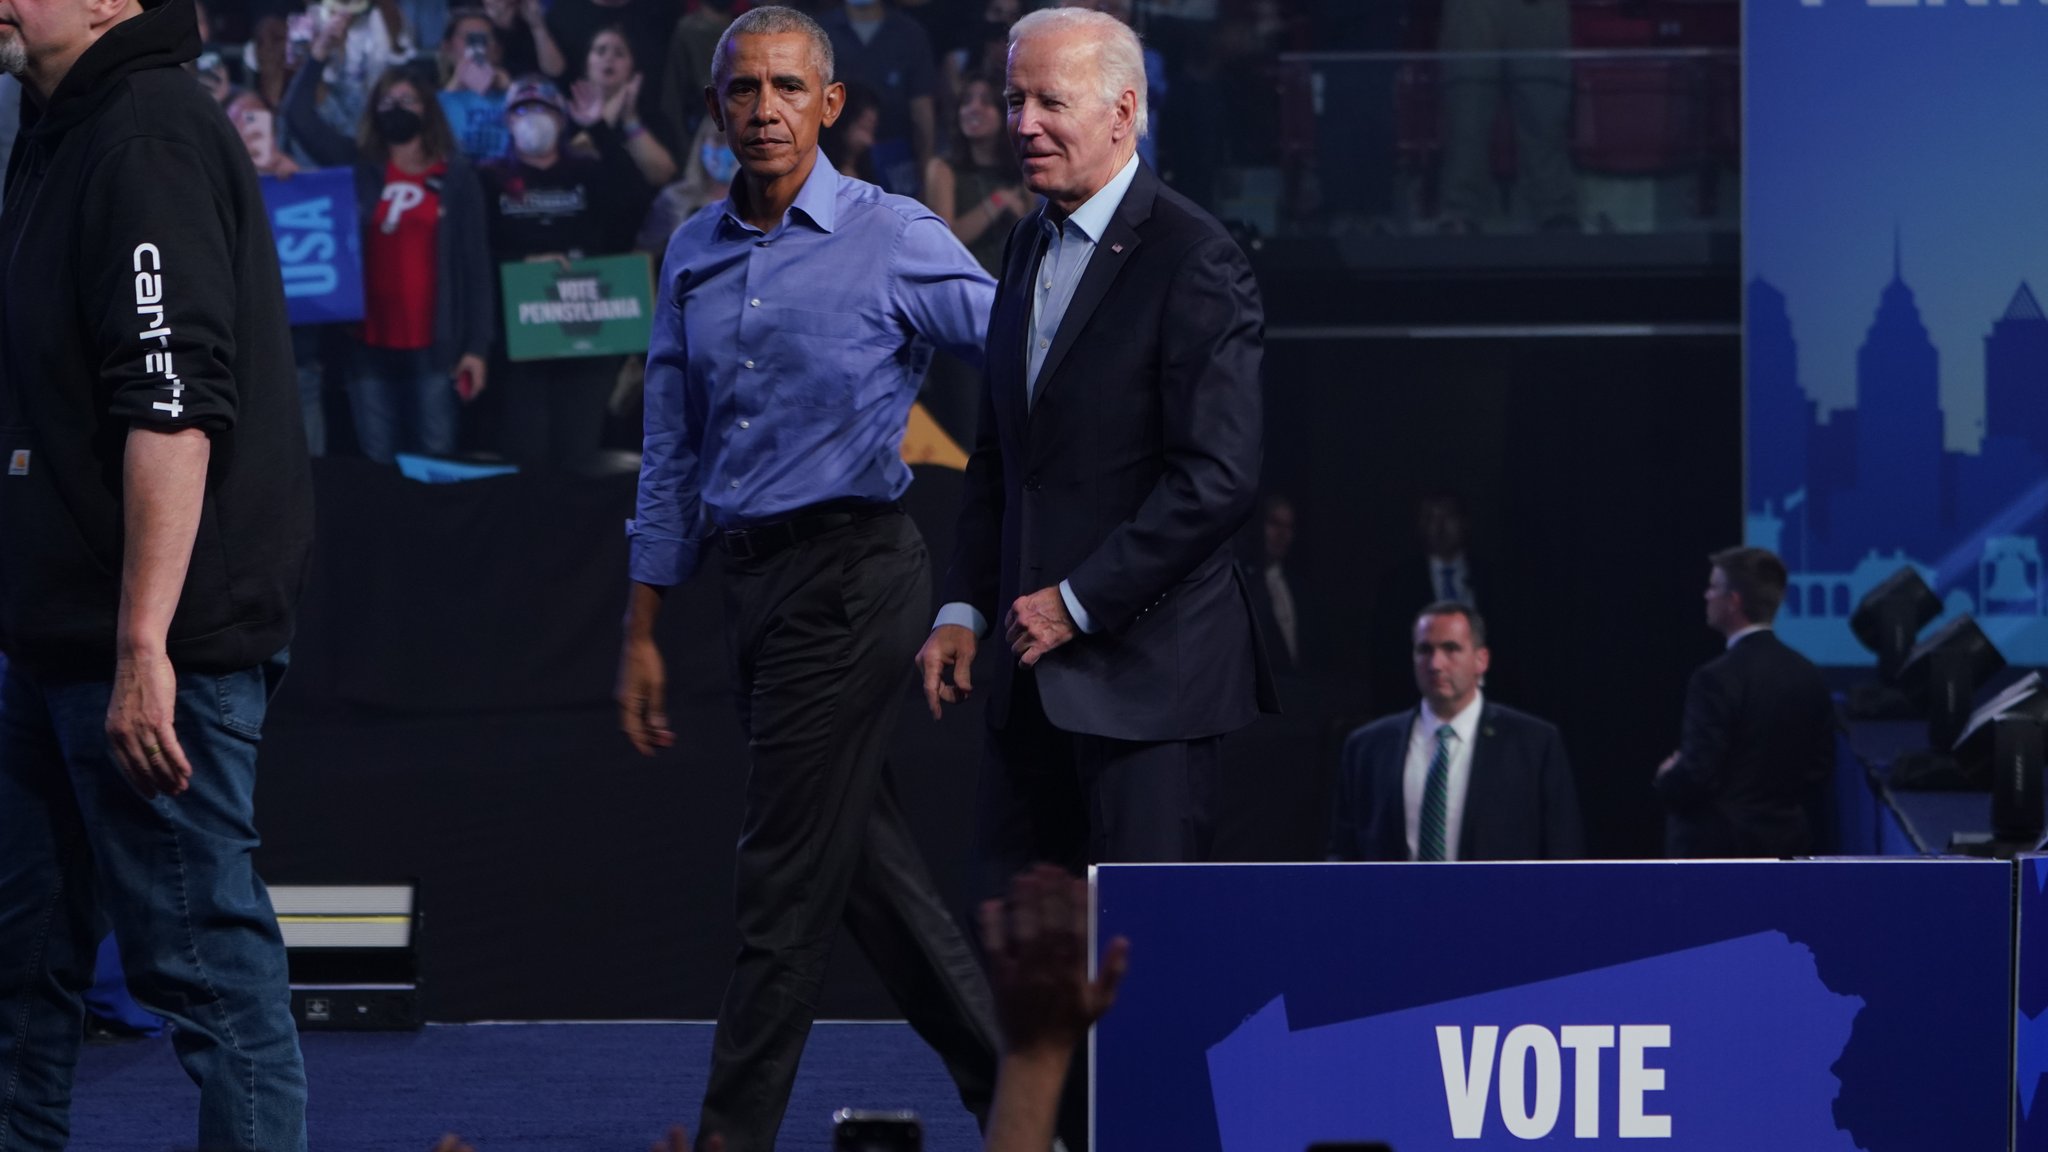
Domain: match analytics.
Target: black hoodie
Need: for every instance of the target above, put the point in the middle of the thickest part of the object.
(139, 287)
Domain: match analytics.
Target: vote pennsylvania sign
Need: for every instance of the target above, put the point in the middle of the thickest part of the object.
(597, 307)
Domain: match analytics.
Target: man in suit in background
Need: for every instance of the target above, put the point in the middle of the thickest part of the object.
(1273, 598)
(1460, 777)
(1759, 737)
(1443, 570)
(1118, 453)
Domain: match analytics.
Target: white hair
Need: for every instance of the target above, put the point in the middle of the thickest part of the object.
(773, 20)
(1119, 56)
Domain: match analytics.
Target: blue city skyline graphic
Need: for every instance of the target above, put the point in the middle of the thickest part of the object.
(1897, 347)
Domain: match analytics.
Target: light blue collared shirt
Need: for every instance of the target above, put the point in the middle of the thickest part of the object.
(1069, 245)
(783, 364)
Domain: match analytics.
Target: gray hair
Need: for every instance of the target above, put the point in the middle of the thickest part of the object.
(1119, 56)
(773, 20)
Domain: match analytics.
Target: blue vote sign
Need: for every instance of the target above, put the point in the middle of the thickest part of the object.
(1798, 1006)
(319, 244)
(2030, 1016)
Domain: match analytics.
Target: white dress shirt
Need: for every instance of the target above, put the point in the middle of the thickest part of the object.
(1740, 633)
(1282, 598)
(1415, 774)
(1069, 245)
(1451, 580)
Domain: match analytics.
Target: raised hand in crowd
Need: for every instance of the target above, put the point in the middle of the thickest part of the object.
(586, 103)
(1037, 946)
(332, 33)
(469, 376)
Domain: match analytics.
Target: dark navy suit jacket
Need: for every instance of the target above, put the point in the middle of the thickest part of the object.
(1520, 803)
(1126, 477)
(1757, 747)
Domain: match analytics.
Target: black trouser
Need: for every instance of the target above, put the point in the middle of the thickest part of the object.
(1075, 800)
(822, 634)
(1082, 800)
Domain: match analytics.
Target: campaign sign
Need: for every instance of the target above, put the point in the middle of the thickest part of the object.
(1768, 1006)
(597, 307)
(2030, 1022)
(319, 245)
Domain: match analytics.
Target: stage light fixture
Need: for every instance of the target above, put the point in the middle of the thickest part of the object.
(2002, 750)
(1944, 671)
(353, 951)
(1890, 616)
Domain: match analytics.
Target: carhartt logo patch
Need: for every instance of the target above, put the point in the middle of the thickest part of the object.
(17, 463)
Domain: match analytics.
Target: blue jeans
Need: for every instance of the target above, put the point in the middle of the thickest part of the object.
(81, 850)
(403, 401)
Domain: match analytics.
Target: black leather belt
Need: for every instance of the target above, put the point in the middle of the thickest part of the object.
(757, 541)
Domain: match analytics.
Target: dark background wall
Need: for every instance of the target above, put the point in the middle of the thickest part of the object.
(449, 716)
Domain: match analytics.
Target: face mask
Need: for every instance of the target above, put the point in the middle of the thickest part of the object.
(719, 162)
(534, 135)
(398, 125)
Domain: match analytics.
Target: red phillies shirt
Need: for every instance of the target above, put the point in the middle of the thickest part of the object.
(398, 260)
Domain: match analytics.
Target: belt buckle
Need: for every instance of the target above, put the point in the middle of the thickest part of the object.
(739, 544)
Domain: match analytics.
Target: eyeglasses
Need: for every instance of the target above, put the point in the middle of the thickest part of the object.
(407, 101)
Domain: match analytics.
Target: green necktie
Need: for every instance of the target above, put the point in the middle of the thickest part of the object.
(1436, 798)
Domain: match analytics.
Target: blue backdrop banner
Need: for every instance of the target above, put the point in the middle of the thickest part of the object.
(1809, 1006)
(319, 246)
(1897, 349)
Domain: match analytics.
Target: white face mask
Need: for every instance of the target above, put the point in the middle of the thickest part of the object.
(534, 135)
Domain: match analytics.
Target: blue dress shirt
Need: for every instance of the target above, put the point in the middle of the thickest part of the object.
(1069, 245)
(783, 364)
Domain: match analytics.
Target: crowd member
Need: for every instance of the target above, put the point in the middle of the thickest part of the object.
(849, 142)
(688, 73)
(549, 203)
(356, 41)
(1516, 46)
(1272, 592)
(527, 45)
(889, 53)
(1036, 942)
(474, 83)
(610, 92)
(1128, 330)
(975, 189)
(1441, 566)
(156, 530)
(266, 58)
(428, 318)
(1759, 736)
(707, 178)
(1458, 777)
(646, 26)
(256, 122)
(783, 366)
(981, 45)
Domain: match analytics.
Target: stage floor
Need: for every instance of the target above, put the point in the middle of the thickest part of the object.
(573, 1087)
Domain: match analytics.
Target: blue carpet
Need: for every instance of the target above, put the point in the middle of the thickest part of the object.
(522, 1088)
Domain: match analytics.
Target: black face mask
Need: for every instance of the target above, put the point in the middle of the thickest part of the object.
(398, 125)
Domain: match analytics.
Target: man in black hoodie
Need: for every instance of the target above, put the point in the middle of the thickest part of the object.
(155, 514)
